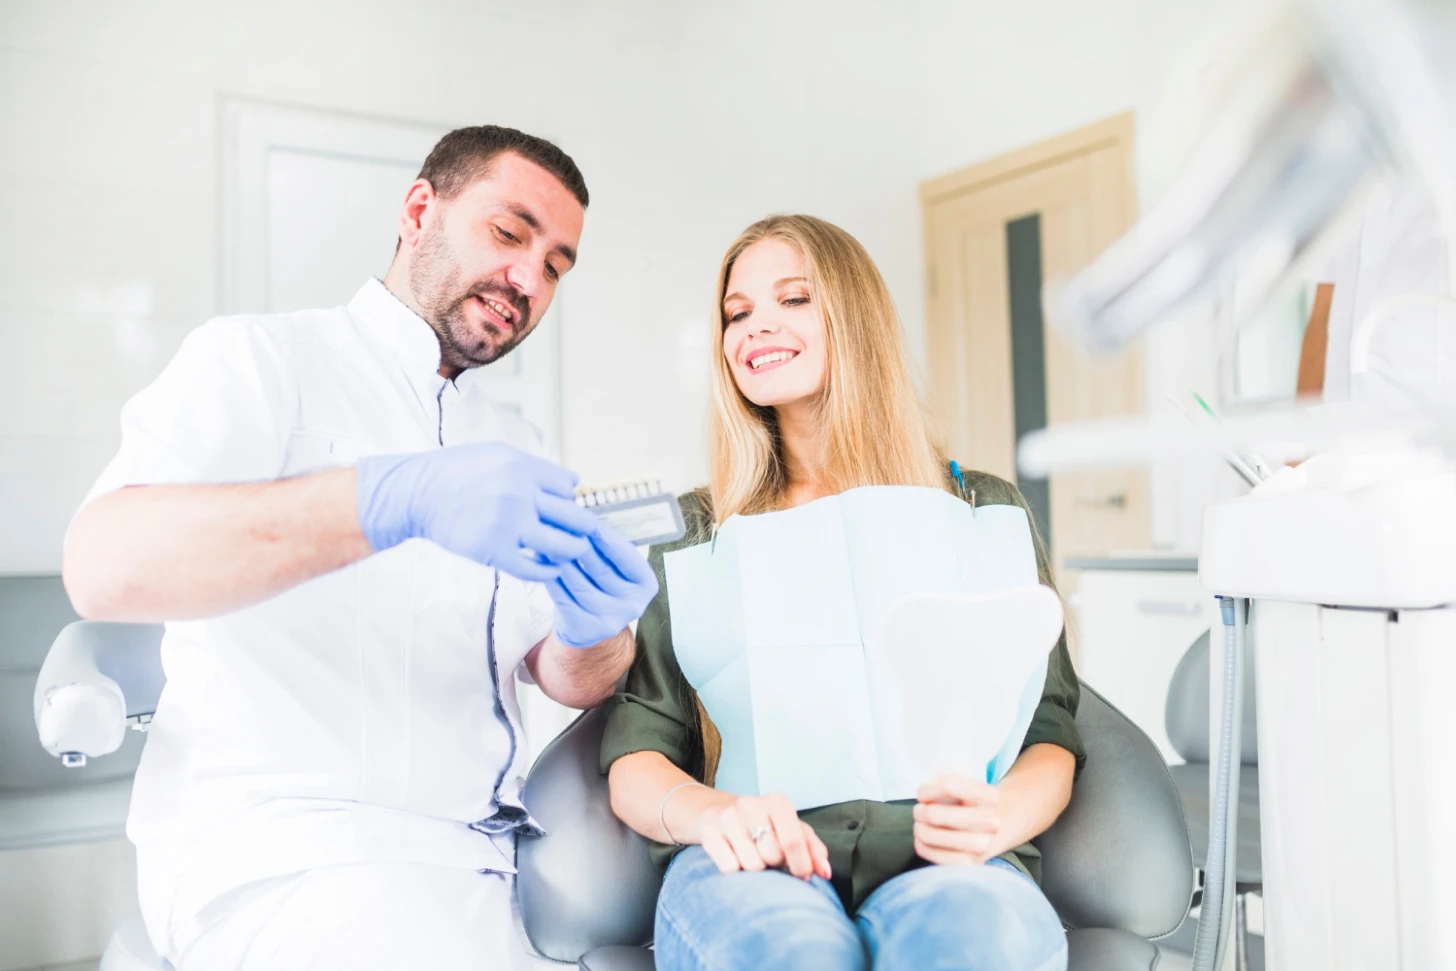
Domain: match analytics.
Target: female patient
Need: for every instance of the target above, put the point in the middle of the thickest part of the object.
(812, 396)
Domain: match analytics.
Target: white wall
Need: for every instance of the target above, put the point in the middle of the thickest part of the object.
(689, 121)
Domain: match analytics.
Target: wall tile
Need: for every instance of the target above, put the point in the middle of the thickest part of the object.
(171, 36)
(75, 121)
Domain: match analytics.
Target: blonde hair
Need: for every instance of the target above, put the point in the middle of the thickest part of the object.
(874, 427)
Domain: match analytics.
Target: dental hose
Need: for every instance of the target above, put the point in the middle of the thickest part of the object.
(1219, 884)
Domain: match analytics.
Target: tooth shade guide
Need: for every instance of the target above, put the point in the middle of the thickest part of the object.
(637, 508)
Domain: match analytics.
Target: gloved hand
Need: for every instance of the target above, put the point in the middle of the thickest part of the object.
(602, 591)
(486, 501)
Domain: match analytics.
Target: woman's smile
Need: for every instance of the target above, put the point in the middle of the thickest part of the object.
(769, 358)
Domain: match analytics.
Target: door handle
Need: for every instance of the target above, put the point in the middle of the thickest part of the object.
(1118, 500)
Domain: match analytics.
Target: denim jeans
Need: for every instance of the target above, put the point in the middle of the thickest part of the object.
(969, 918)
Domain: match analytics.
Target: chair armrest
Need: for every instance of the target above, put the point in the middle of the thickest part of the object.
(96, 676)
(589, 882)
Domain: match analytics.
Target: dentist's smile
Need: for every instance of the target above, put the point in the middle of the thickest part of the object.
(499, 315)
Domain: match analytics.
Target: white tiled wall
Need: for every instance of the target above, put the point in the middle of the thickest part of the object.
(689, 121)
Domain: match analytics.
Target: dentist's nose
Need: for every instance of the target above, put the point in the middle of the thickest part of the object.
(525, 276)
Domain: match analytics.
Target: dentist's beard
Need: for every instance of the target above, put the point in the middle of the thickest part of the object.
(436, 283)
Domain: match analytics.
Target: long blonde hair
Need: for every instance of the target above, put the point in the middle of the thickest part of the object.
(873, 424)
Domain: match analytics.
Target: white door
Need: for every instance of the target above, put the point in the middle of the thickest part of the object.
(310, 209)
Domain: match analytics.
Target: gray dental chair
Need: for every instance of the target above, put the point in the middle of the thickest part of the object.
(1117, 866)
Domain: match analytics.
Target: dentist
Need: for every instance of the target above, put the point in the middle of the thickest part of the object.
(357, 554)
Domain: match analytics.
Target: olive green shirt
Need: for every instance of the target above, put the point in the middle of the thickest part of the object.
(869, 842)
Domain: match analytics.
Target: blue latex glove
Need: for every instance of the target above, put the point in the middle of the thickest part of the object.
(602, 591)
(486, 501)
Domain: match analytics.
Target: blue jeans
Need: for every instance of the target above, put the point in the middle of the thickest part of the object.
(969, 918)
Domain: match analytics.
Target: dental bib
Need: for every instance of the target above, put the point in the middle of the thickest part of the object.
(852, 647)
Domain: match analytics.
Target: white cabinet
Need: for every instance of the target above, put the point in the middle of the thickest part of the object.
(1134, 618)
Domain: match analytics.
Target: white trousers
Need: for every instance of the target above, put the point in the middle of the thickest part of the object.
(370, 917)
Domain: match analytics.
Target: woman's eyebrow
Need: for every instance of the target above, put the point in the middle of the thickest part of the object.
(735, 295)
(790, 279)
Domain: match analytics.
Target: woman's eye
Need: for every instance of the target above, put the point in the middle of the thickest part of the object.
(795, 301)
(735, 318)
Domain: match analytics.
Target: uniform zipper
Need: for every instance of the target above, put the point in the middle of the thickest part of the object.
(506, 817)
(440, 411)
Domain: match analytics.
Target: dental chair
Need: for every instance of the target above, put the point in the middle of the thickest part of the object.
(1117, 865)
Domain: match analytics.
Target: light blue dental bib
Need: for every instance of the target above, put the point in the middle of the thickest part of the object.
(776, 625)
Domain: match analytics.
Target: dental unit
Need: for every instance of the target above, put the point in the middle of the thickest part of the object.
(1337, 574)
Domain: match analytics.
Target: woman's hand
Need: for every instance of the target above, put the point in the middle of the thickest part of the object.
(958, 820)
(783, 841)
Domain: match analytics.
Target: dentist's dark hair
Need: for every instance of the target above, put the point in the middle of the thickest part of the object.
(467, 154)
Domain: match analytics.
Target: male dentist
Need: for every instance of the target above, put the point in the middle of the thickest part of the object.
(357, 553)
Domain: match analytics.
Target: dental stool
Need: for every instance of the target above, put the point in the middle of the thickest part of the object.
(1117, 865)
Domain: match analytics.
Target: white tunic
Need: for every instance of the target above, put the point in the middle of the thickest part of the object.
(366, 716)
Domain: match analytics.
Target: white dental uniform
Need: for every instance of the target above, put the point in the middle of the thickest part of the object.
(317, 761)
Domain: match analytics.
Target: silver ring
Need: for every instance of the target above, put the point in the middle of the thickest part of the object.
(758, 833)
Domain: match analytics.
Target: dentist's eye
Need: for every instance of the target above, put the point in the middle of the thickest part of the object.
(505, 235)
(552, 272)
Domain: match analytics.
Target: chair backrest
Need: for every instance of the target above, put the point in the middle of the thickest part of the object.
(1185, 715)
(589, 882)
(1119, 856)
(95, 677)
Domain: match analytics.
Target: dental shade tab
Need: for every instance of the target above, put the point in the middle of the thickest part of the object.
(639, 509)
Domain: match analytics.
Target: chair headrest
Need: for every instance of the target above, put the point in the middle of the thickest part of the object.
(1119, 855)
(1185, 715)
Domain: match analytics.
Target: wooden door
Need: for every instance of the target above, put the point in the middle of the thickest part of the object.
(996, 369)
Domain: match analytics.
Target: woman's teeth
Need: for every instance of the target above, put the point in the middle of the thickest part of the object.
(773, 358)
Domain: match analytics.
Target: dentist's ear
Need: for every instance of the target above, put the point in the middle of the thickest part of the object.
(420, 205)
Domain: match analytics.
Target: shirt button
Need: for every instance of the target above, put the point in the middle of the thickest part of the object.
(854, 824)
